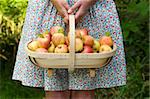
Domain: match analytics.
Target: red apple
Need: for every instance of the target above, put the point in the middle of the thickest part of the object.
(42, 50)
(78, 34)
(66, 41)
(57, 29)
(87, 49)
(88, 40)
(106, 40)
(58, 38)
(47, 35)
(78, 45)
(33, 45)
(83, 32)
(105, 48)
(43, 42)
(62, 48)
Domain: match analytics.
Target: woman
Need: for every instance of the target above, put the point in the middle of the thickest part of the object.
(99, 16)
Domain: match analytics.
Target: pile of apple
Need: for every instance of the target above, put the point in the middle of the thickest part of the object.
(55, 41)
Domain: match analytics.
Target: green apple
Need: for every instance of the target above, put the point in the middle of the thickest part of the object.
(78, 45)
(96, 46)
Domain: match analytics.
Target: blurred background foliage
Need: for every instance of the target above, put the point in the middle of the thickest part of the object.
(134, 18)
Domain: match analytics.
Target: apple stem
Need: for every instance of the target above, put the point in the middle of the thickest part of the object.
(46, 32)
(60, 31)
(107, 33)
(40, 35)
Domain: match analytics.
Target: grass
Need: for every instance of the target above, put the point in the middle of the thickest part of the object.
(10, 89)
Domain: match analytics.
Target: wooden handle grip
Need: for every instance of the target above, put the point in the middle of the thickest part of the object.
(72, 42)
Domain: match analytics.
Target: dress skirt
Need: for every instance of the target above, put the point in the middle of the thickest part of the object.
(101, 17)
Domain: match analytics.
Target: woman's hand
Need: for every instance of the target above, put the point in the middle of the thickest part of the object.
(82, 6)
(62, 7)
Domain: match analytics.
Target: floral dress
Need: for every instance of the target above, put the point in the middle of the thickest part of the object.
(102, 17)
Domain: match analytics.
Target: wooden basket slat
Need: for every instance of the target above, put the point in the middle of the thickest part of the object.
(56, 62)
(63, 64)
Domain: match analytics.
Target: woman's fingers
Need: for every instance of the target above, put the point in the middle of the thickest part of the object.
(74, 7)
(66, 6)
(82, 6)
(66, 20)
(80, 13)
(62, 8)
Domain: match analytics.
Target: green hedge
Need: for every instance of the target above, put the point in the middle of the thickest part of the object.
(134, 21)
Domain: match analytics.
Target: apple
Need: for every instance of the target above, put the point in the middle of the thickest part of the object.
(58, 38)
(106, 40)
(57, 29)
(83, 32)
(42, 50)
(105, 48)
(33, 45)
(43, 42)
(66, 40)
(51, 48)
(87, 49)
(94, 51)
(78, 34)
(62, 48)
(78, 45)
(96, 45)
(47, 35)
(88, 40)
(44, 39)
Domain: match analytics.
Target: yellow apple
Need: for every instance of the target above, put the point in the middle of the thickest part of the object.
(33, 45)
(51, 48)
(105, 48)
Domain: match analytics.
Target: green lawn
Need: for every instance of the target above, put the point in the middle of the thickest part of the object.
(10, 89)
